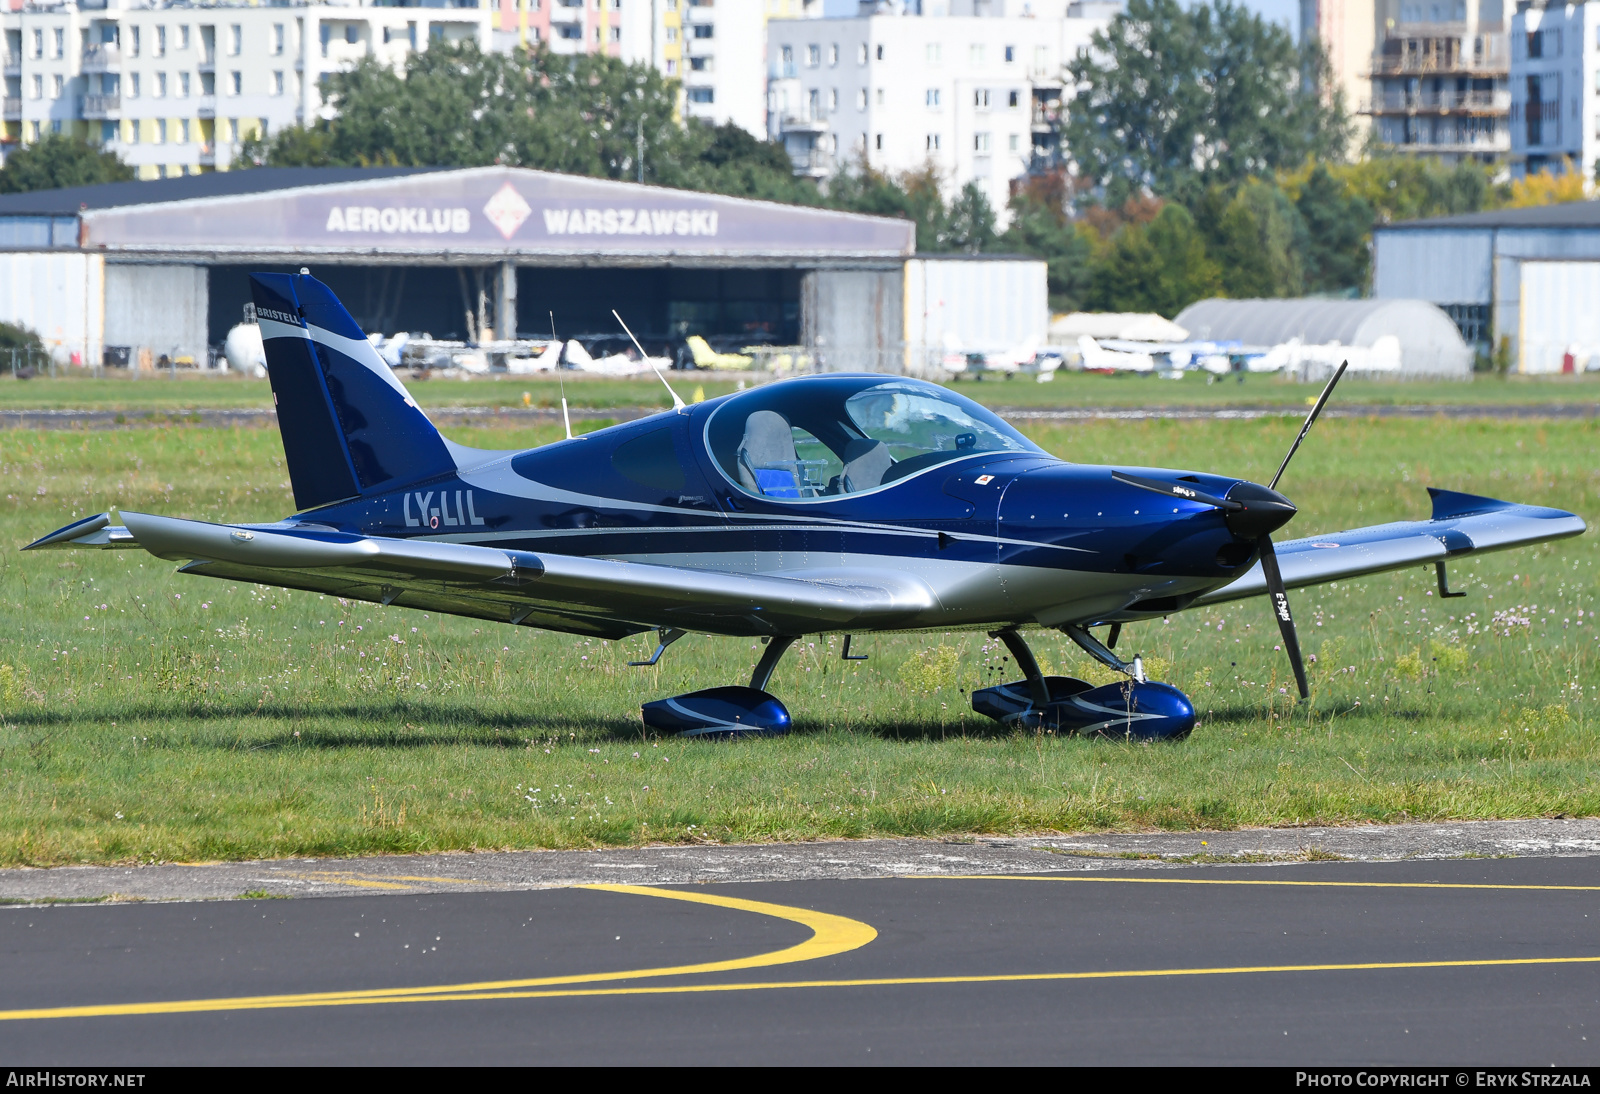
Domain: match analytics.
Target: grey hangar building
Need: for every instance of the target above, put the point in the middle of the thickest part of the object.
(160, 268)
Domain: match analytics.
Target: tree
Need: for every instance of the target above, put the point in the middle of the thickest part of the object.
(1258, 243)
(1161, 266)
(969, 224)
(1338, 226)
(1040, 227)
(58, 160)
(1212, 91)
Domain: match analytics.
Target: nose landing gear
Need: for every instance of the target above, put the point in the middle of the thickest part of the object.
(1136, 708)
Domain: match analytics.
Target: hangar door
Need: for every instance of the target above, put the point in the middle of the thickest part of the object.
(1559, 324)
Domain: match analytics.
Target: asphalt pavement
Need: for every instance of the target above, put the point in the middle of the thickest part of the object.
(1459, 962)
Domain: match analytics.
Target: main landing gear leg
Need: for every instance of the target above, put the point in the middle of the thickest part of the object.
(1137, 708)
(727, 712)
(1038, 690)
(776, 648)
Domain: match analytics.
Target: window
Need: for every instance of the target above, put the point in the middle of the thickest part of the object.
(976, 54)
(108, 132)
(933, 142)
(327, 34)
(37, 87)
(813, 56)
(277, 83)
(813, 103)
(672, 34)
(980, 143)
(1013, 99)
(230, 129)
(616, 34)
(861, 54)
(1011, 54)
(700, 64)
(183, 131)
(570, 30)
(829, 437)
(861, 99)
(1014, 143)
(833, 99)
(161, 43)
(57, 86)
(37, 49)
(701, 95)
(704, 30)
(672, 67)
(235, 83)
(877, 142)
(33, 130)
(277, 38)
(833, 54)
(352, 34)
(161, 131)
(932, 98)
(133, 85)
(55, 125)
(980, 99)
(235, 40)
(58, 43)
(880, 53)
(935, 53)
(161, 85)
(133, 41)
(881, 97)
(183, 37)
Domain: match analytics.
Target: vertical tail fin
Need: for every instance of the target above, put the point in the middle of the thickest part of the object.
(349, 426)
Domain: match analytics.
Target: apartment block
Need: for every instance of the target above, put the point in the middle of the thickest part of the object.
(1440, 79)
(175, 89)
(972, 88)
(1347, 31)
(1555, 49)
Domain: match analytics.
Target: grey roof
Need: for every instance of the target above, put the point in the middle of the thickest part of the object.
(256, 180)
(1319, 322)
(1571, 214)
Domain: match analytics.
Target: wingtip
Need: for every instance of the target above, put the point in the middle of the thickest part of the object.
(65, 535)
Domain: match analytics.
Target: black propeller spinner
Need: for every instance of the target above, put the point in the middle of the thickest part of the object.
(1254, 512)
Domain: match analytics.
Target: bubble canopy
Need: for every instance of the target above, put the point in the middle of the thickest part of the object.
(827, 436)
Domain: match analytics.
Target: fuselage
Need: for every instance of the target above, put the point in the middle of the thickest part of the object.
(1001, 535)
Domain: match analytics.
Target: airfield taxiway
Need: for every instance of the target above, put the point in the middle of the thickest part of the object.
(1411, 961)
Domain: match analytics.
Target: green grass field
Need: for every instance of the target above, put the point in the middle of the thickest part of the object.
(146, 716)
(165, 395)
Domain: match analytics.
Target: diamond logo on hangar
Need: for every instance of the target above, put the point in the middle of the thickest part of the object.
(507, 210)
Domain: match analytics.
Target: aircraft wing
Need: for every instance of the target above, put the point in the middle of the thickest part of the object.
(1462, 524)
(605, 597)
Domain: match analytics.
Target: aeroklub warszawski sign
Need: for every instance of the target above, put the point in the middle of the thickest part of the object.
(497, 210)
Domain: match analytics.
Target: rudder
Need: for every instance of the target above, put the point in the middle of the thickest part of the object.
(349, 426)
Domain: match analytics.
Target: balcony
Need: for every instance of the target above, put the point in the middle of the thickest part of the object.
(102, 106)
(102, 58)
(208, 155)
(13, 109)
(1439, 102)
(208, 63)
(206, 106)
(13, 66)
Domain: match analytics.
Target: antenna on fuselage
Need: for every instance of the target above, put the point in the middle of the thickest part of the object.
(677, 403)
(566, 421)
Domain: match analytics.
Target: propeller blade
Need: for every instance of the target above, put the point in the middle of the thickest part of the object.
(1280, 608)
(1177, 490)
(1322, 401)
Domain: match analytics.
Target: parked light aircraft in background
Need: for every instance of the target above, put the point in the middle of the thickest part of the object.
(823, 504)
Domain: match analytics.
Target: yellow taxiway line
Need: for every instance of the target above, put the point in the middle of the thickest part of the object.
(831, 934)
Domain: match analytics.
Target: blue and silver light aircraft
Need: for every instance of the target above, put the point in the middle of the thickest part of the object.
(843, 504)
